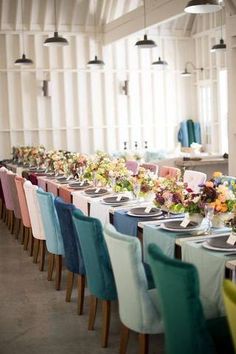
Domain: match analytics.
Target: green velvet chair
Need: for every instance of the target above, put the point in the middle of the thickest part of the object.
(98, 268)
(229, 294)
(186, 330)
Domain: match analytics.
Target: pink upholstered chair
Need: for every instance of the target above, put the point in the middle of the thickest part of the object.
(194, 179)
(132, 165)
(169, 172)
(42, 183)
(27, 231)
(2, 202)
(65, 194)
(52, 188)
(36, 222)
(151, 167)
(8, 199)
(17, 212)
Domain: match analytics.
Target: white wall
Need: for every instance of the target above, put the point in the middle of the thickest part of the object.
(86, 110)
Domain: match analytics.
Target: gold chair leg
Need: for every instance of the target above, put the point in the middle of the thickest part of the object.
(106, 315)
(93, 302)
(69, 285)
(51, 260)
(58, 261)
(81, 288)
(143, 343)
(124, 338)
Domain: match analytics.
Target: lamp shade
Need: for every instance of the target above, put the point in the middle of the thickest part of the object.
(202, 6)
(160, 63)
(95, 62)
(186, 73)
(145, 43)
(55, 41)
(219, 47)
(23, 61)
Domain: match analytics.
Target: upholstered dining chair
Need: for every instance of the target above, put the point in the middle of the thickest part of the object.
(99, 273)
(36, 222)
(27, 231)
(52, 188)
(54, 241)
(73, 255)
(229, 294)
(8, 199)
(194, 179)
(2, 201)
(17, 211)
(169, 172)
(151, 167)
(132, 166)
(186, 330)
(65, 194)
(138, 306)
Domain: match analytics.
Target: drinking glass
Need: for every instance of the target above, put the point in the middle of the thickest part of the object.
(136, 190)
(209, 214)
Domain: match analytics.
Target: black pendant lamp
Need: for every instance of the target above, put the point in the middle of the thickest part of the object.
(56, 40)
(145, 42)
(160, 63)
(95, 63)
(24, 61)
(202, 6)
(186, 72)
(221, 46)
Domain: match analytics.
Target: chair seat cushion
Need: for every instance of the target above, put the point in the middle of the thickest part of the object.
(220, 333)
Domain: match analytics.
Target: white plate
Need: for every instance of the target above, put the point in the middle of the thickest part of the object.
(212, 248)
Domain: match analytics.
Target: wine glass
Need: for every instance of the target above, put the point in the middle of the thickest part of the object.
(209, 214)
(136, 189)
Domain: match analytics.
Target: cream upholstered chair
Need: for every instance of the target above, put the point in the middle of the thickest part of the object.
(36, 222)
(138, 307)
(194, 179)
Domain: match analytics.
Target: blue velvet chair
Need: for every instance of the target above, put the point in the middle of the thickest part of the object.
(73, 255)
(138, 305)
(54, 241)
(186, 329)
(99, 273)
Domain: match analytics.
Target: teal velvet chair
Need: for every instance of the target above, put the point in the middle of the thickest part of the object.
(138, 306)
(186, 330)
(98, 268)
(54, 241)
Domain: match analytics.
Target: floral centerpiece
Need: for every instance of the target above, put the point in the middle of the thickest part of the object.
(120, 178)
(145, 180)
(97, 168)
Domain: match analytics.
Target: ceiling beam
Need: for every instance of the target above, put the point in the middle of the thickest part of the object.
(157, 11)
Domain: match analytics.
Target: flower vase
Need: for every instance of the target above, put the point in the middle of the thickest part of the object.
(196, 217)
(219, 219)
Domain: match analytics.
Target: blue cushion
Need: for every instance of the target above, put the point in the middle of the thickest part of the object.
(73, 255)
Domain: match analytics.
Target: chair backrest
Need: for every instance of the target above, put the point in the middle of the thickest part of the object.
(33, 178)
(169, 172)
(194, 179)
(229, 294)
(178, 289)
(6, 189)
(99, 273)
(151, 167)
(65, 194)
(22, 201)
(52, 188)
(34, 210)
(50, 220)
(42, 183)
(229, 179)
(136, 308)
(12, 187)
(73, 254)
(132, 165)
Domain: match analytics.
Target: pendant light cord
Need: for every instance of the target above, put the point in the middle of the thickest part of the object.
(144, 18)
(95, 24)
(221, 22)
(55, 15)
(23, 32)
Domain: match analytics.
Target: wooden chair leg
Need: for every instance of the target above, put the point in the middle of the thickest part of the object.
(1, 208)
(12, 223)
(31, 242)
(26, 239)
(42, 255)
(92, 312)
(17, 227)
(36, 250)
(69, 285)
(143, 343)
(106, 315)
(51, 260)
(124, 338)
(22, 234)
(81, 288)
(8, 219)
(58, 271)
(4, 213)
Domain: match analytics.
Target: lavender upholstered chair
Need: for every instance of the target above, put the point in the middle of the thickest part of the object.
(36, 222)
(132, 165)
(8, 198)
